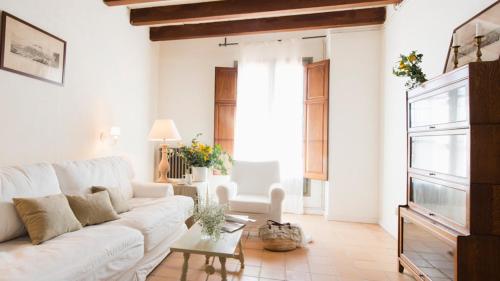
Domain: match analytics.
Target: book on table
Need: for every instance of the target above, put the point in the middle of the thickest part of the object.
(231, 227)
(238, 219)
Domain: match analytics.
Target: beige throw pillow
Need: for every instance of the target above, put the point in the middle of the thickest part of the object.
(46, 217)
(92, 208)
(117, 199)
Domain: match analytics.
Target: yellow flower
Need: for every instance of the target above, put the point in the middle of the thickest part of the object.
(412, 58)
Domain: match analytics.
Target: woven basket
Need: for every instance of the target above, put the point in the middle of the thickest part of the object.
(279, 237)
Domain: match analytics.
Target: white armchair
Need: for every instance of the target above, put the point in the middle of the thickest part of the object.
(254, 190)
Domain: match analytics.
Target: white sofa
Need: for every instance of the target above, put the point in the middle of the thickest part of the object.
(125, 249)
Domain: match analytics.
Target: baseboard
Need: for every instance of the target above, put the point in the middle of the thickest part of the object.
(388, 230)
(313, 211)
(352, 219)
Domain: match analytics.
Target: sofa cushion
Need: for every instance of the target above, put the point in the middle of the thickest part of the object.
(93, 253)
(250, 204)
(24, 181)
(78, 177)
(156, 218)
(184, 204)
(118, 201)
(46, 217)
(92, 209)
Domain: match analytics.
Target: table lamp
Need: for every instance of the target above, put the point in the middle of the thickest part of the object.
(164, 130)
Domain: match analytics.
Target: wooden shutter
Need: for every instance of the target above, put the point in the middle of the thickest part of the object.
(317, 77)
(225, 106)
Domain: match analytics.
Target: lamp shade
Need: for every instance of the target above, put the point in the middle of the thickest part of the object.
(164, 130)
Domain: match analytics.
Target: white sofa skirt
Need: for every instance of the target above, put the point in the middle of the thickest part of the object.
(92, 253)
(152, 258)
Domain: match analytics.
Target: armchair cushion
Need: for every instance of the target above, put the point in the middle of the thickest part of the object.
(226, 192)
(152, 190)
(255, 177)
(250, 204)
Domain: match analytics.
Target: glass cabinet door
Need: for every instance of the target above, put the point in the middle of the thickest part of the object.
(431, 255)
(445, 154)
(445, 201)
(444, 108)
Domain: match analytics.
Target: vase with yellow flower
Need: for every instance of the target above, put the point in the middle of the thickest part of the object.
(409, 66)
(201, 157)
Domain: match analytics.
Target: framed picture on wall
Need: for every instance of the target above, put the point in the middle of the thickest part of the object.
(27, 50)
(487, 23)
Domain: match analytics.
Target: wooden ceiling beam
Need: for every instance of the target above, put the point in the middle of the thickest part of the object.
(127, 2)
(348, 18)
(243, 9)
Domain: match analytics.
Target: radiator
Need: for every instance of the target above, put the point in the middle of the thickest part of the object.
(178, 166)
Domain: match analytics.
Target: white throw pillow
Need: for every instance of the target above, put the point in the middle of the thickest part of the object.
(78, 177)
(25, 181)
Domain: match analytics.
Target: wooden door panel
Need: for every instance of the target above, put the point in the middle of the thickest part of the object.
(225, 84)
(316, 120)
(314, 151)
(225, 114)
(315, 113)
(227, 145)
(317, 81)
(225, 107)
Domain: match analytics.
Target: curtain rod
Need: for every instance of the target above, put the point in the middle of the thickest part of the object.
(226, 44)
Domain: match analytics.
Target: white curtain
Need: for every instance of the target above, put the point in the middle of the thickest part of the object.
(269, 116)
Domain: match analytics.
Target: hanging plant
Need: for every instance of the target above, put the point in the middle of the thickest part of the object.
(408, 66)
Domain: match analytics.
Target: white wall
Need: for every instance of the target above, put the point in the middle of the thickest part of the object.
(187, 77)
(187, 96)
(426, 26)
(354, 130)
(111, 79)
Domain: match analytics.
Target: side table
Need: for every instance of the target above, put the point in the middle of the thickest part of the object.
(195, 190)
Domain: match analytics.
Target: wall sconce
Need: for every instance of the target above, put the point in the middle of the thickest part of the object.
(113, 135)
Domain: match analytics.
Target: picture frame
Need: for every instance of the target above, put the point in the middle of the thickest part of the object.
(489, 19)
(30, 51)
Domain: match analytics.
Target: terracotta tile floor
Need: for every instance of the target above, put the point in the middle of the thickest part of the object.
(340, 252)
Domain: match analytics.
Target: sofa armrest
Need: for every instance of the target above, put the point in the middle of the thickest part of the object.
(277, 195)
(152, 189)
(226, 191)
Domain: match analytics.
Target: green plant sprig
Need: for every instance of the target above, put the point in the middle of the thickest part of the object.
(408, 66)
(212, 217)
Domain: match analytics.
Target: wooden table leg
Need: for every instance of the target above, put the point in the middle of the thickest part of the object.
(241, 256)
(223, 272)
(185, 267)
(207, 259)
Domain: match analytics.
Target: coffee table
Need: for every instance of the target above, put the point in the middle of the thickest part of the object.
(228, 246)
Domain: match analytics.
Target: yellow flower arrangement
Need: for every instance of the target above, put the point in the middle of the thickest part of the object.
(408, 66)
(202, 155)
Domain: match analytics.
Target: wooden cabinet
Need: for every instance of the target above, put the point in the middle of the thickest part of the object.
(444, 201)
(452, 215)
(442, 154)
(428, 250)
(442, 108)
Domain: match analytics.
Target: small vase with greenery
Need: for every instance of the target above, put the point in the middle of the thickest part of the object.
(202, 155)
(408, 66)
(211, 218)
